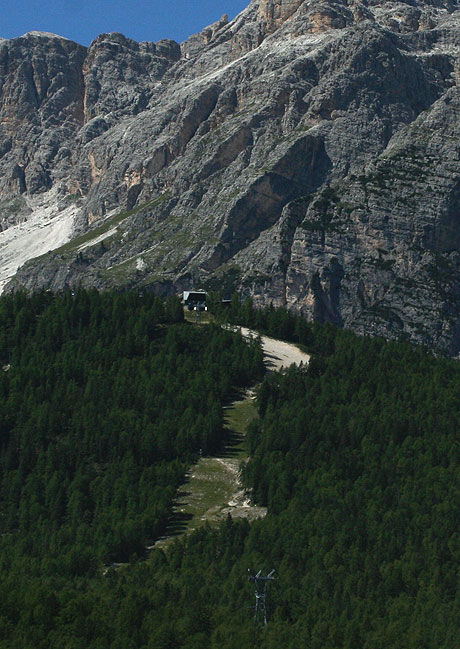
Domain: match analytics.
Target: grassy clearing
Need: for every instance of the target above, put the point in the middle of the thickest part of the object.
(239, 415)
(212, 490)
(201, 318)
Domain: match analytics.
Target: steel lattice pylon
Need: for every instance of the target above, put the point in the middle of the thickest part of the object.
(261, 594)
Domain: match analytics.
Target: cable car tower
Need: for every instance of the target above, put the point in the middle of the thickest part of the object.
(261, 594)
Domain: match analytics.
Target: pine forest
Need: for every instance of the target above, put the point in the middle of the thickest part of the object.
(106, 400)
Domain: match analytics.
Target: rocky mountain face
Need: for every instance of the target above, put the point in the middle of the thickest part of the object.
(306, 153)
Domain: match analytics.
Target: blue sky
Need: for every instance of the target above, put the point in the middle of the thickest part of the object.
(142, 20)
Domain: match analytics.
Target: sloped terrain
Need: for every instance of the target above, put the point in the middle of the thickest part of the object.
(356, 459)
(305, 153)
(213, 488)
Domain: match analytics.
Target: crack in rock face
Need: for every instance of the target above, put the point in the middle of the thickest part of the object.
(303, 154)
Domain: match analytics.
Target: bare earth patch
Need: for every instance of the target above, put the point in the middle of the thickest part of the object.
(277, 353)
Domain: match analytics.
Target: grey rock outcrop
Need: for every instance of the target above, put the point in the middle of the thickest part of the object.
(305, 153)
(41, 111)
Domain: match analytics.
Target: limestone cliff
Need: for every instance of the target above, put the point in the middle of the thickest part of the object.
(306, 153)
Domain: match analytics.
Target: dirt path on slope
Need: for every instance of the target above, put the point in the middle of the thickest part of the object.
(212, 489)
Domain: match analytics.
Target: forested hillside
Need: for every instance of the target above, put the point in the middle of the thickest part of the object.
(105, 400)
(357, 458)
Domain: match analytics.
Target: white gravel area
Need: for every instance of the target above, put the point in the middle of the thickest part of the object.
(45, 229)
(277, 353)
